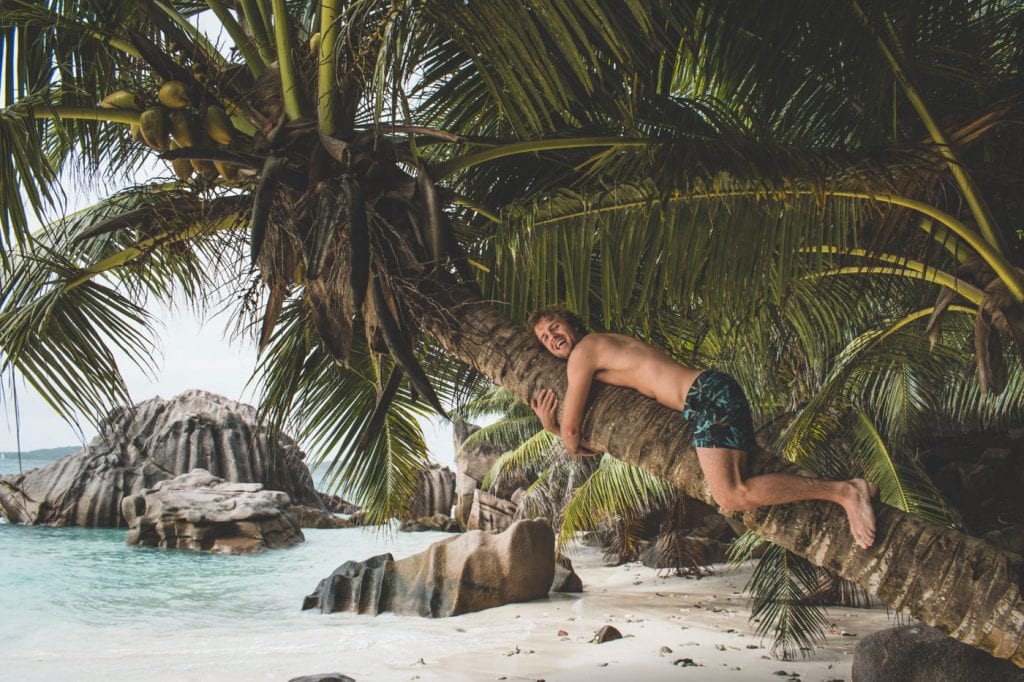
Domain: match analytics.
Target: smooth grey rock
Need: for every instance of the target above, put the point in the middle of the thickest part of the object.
(566, 579)
(606, 634)
(200, 511)
(438, 522)
(490, 512)
(323, 677)
(471, 466)
(918, 653)
(156, 440)
(435, 493)
(462, 574)
(474, 461)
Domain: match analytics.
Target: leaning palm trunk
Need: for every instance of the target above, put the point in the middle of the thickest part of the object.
(943, 577)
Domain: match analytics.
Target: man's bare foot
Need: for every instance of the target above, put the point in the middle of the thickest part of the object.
(859, 511)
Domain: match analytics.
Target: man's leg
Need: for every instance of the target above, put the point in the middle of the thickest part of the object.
(724, 471)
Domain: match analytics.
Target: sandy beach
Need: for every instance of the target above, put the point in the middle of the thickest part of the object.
(674, 628)
(96, 610)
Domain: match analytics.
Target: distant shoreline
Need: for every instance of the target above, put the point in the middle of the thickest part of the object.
(42, 454)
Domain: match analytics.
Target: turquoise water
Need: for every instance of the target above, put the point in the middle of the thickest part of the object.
(80, 604)
(9, 466)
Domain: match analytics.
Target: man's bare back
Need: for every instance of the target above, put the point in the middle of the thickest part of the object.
(624, 361)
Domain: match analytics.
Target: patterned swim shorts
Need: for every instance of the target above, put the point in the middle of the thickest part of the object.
(719, 413)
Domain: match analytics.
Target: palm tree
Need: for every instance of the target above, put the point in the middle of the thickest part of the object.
(356, 168)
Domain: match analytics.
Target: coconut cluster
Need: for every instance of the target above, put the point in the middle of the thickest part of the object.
(176, 123)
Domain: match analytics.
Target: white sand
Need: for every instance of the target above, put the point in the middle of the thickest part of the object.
(706, 621)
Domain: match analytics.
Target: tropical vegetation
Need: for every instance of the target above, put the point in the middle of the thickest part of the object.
(822, 198)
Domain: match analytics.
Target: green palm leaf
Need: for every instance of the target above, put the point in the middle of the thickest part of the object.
(528, 459)
(507, 433)
(782, 588)
(902, 482)
(23, 172)
(328, 407)
(495, 400)
(615, 488)
(60, 341)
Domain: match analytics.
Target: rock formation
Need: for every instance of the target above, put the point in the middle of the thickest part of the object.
(156, 440)
(337, 505)
(490, 512)
(917, 653)
(566, 579)
(471, 466)
(438, 522)
(199, 511)
(435, 493)
(463, 574)
(309, 517)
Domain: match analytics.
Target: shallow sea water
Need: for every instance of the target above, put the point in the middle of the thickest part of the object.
(80, 604)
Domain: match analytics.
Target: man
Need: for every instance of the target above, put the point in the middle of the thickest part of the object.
(712, 402)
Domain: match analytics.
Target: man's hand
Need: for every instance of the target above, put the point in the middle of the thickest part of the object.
(545, 406)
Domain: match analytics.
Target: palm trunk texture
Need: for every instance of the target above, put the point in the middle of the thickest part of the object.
(943, 577)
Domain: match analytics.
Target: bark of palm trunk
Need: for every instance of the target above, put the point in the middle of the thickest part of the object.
(943, 577)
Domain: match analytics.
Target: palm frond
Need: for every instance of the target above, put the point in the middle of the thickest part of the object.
(888, 373)
(744, 548)
(642, 251)
(782, 588)
(548, 495)
(496, 400)
(24, 172)
(539, 64)
(328, 406)
(615, 488)
(62, 316)
(528, 459)
(508, 433)
(901, 481)
(60, 340)
(962, 402)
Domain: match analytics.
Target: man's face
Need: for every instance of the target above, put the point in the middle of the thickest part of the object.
(556, 336)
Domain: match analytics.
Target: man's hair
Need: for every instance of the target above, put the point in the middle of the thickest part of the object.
(560, 312)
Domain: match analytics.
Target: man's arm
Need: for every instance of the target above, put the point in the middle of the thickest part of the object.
(545, 405)
(580, 373)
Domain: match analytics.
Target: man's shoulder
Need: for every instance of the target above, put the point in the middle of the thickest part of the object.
(594, 342)
(607, 340)
(593, 347)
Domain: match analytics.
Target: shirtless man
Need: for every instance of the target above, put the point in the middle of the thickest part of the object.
(712, 402)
